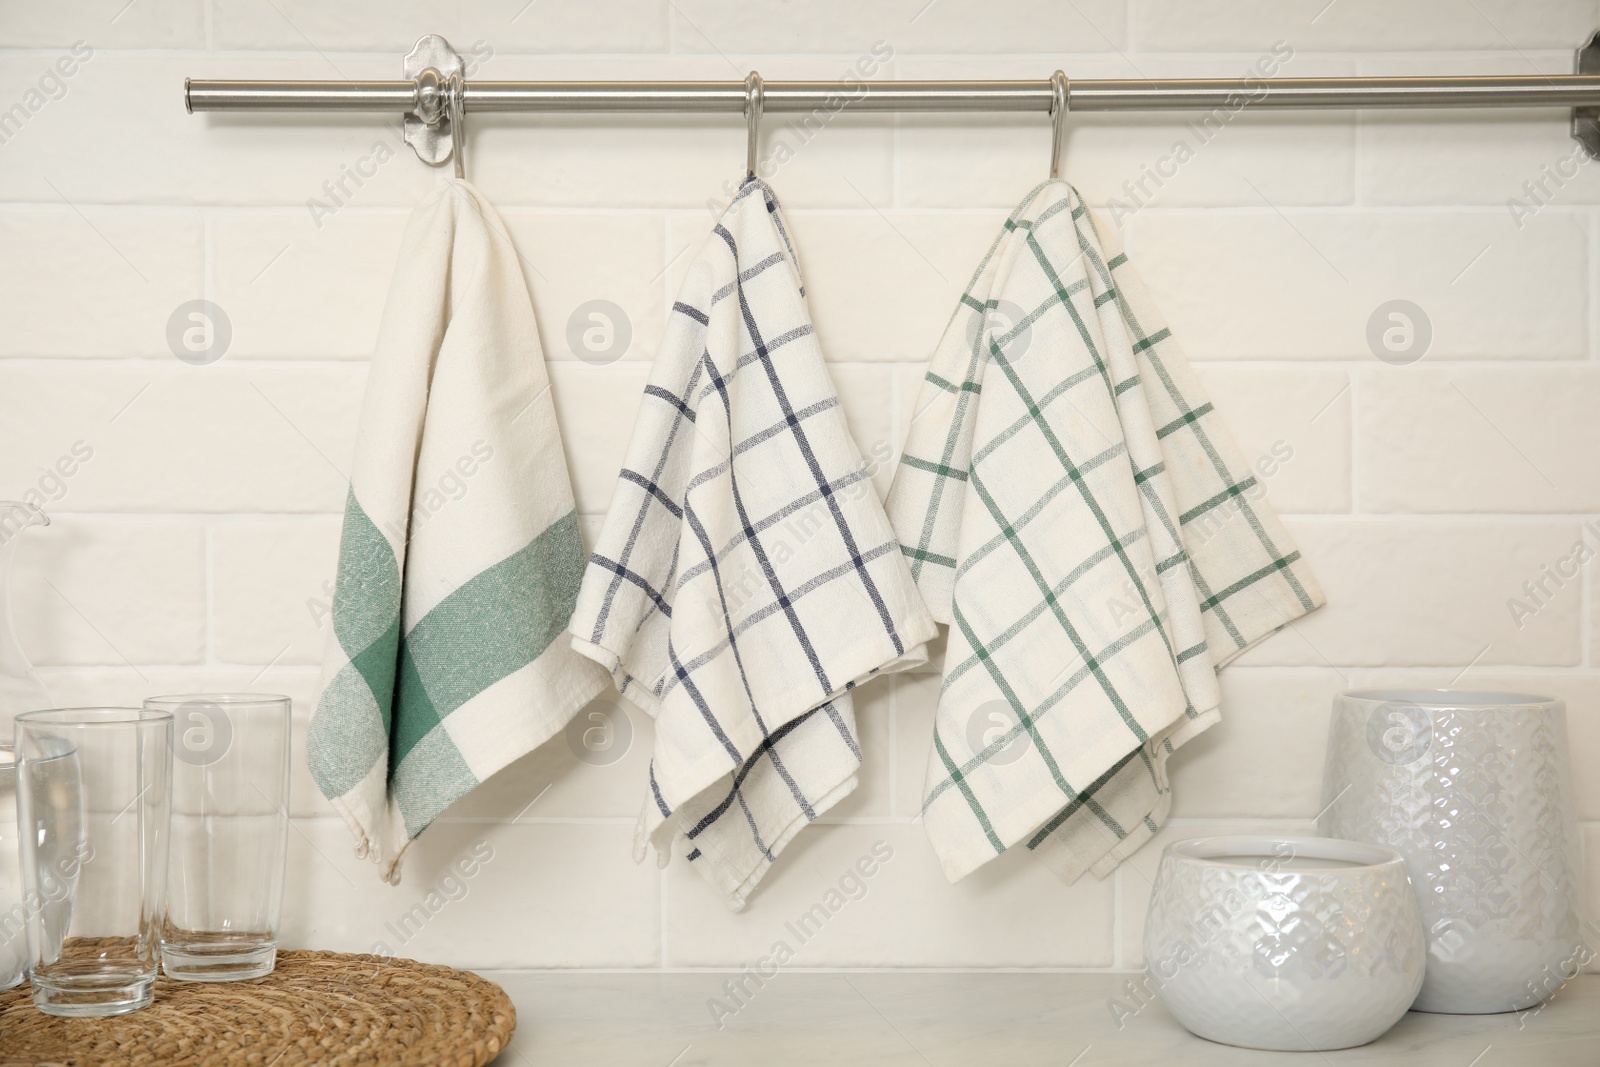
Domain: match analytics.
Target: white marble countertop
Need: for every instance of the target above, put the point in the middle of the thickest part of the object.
(911, 1019)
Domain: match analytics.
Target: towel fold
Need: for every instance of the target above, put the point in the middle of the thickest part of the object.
(747, 577)
(1073, 507)
(460, 557)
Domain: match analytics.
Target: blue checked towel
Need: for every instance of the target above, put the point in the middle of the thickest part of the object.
(460, 557)
(747, 577)
(1073, 507)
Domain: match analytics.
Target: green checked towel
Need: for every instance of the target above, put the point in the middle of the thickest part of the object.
(1073, 508)
(460, 558)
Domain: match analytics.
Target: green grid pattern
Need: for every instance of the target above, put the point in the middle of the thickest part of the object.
(1053, 467)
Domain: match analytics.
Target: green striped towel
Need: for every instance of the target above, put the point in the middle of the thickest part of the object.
(460, 559)
(1072, 507)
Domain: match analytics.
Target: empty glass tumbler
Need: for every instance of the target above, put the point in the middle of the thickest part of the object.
(13, 913)
(93, 808)
(230, 830)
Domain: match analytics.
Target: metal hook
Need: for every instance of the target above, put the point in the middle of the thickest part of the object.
(1059, 89)
(455, 90)
(752, 117)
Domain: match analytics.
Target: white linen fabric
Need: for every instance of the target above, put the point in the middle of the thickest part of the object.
(1073, 508)
(746, 578)
(460, 557)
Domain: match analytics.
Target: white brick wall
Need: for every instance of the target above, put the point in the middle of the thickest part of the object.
(191, 549)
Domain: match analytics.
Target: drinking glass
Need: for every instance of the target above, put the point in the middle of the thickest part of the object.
(93, 808)
(13, 915)
(230, 831)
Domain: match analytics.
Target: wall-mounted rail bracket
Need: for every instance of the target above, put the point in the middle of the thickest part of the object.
(1586, 120)
(429, 64)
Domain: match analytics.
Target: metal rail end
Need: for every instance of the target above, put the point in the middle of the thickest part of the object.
(188, 105)
(1586, 120)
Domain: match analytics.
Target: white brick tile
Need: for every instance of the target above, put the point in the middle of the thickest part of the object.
(1479, 439)
(292, 290)
(548, 895)
(691, 162)
(95, 282)
(107, 592)
(1294, 427)
(105, 24)
(596, 407)
(122, 686)
(1264, 760)
(867, 395)
(1428, 592)
(270, 586)
(1591, 649)
(916, 700)
(908, 381)
(623, 262)
(874, 731)
(1126, 161)
(1136, 877)
(1304, 284)
(1314, 25)
(121, 136)
(1414, 157)
(882, 285)
(175, 438)
(1523, 161)
(909, 25)
(500, 26)
(1591, 854)
(1011, 913)
(553, 782)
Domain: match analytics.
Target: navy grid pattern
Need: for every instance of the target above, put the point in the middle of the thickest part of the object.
(747, 578)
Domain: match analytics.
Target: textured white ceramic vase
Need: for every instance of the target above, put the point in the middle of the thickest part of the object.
(1291, 943)
(1474, 790)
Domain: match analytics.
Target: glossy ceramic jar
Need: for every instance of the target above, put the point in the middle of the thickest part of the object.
(1474, 790)
(1291, 943)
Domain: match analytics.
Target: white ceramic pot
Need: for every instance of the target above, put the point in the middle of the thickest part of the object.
(1474, 790)
(1288, 943)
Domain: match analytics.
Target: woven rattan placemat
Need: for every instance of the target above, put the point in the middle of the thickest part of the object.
(324, 1008)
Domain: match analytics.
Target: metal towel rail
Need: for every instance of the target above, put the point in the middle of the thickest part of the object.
(435, 85)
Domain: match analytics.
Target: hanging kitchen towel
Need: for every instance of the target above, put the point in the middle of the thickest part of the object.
(460, 558)
(1074, 509)
(746, 577)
